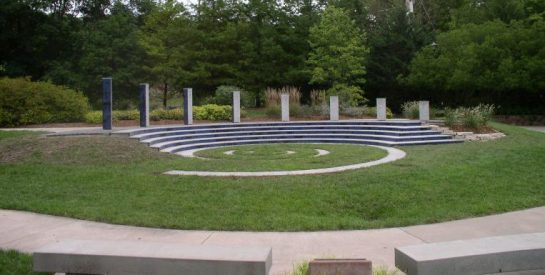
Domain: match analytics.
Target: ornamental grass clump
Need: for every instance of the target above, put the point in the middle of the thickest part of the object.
(273, 96)
(469, 117)
(411, 109)
(273, 100)
(318, 97)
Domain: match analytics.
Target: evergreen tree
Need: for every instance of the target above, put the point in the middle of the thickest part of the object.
(338, 56)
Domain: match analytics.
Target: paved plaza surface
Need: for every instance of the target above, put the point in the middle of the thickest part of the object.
(27, 232)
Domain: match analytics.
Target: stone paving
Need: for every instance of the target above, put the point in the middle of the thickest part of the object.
(27, 232)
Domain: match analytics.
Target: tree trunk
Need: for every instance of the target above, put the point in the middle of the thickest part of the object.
(165, 94)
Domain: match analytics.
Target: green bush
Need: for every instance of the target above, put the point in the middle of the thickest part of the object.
(349, 96)
(224, 96)
(452, 117)
(162, 114)
(25, 102)
(469, 117)
(295, 110)
(205, 112)
(314, 110)
(212, 112)
(95, 117)
(126, 115)
(365, 111)
(273, 111)
(411, 109)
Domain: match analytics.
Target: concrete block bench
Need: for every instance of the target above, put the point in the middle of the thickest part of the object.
(510, 253)
(126, 257)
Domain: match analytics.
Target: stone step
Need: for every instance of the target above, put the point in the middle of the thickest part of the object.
(181, 148)
(159, 132)
(399, 123)
(163, 145)
(165, 138)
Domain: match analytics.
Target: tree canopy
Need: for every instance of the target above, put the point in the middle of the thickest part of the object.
(453, 52)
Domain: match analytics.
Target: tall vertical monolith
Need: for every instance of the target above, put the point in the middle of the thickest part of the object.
(188, 106)
(107, 103)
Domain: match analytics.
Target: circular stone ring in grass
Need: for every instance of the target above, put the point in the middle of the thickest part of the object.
(393, 155)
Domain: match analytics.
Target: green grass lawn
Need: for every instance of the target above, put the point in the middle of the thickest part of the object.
(12, 262)
(116, 180)
(273, 157)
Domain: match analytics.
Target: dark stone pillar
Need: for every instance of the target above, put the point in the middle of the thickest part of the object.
(144, 105)
(107, 103)
(188, 106)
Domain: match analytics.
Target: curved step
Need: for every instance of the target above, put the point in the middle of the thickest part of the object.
(181, 148)
(386, 124)
(175, 139)
(174, 136)
(394, 139)
(160, 132)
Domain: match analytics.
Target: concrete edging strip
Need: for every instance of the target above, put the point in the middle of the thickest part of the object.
(393, 155)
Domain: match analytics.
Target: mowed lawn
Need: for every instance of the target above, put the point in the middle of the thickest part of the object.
(117, 180)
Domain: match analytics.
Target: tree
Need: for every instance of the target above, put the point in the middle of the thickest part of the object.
(109, 47)
(493, 62)
(338, 54)
(165, 35)
(478, 12)
(31, 40)
(394, 38)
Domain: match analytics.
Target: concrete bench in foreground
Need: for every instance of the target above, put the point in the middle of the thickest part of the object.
(476, 256)
(126, 257)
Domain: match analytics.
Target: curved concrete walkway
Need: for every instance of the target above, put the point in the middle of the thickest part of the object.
(27, 232)
(393, 155)
(536, 128)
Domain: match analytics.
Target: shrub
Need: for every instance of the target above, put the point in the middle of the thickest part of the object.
(436, 112)
(126, 115)
(295, 110)
(469, 117)
(353, 111)
(212, 112)
(162, 114)
(364, 111)
(349, 96)
(25, 102)
(318, 97)
(314, 110)
(451, 117)
(224, 96)
(94, 117)
(411, 109)
(273, 111)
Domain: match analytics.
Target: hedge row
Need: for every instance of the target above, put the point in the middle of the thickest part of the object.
(204, 112)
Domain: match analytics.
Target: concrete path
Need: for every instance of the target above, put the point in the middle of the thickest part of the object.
(27, 232)
(393, 155)
(536, 128)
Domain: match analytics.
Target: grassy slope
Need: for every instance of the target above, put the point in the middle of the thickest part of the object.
(72, 177)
